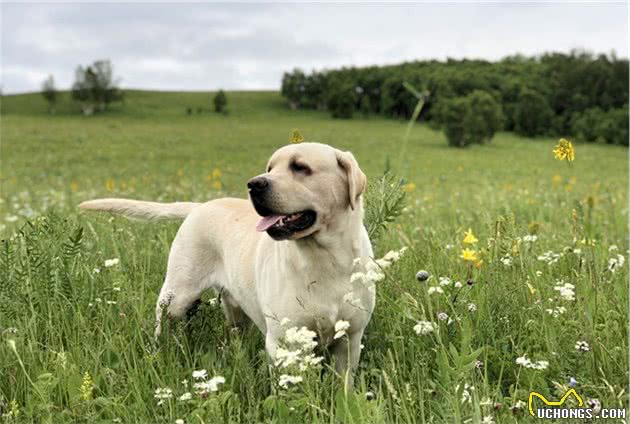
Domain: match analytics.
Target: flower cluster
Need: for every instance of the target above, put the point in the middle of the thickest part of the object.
(297, 353)
(524, 361)
(373, 269)
(422, 328)
(565, 290)
(616, 262)
(564, 150)
(550, 257)
(582, 346)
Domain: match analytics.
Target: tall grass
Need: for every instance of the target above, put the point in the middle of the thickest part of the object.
(76, 336)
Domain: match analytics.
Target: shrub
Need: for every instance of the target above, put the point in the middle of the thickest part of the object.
(584, 125)
(613, 128)
(471, 119)
(487, 114)
(595, 124)
(220, 102)
(533, 115)
(341, 100)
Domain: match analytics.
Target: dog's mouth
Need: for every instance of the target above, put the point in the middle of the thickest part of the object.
(281, 227)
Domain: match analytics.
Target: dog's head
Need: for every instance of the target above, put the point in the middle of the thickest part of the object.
(306, 189)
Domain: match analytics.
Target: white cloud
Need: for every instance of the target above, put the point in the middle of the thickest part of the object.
(204, 46)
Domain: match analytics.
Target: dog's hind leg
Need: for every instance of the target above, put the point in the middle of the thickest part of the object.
(191, 267)
(234, 315)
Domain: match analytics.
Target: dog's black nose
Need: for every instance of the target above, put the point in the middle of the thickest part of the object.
(258, 184)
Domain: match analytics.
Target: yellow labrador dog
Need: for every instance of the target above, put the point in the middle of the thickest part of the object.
(288, 253)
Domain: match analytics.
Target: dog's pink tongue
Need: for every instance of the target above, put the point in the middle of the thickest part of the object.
(267, 221)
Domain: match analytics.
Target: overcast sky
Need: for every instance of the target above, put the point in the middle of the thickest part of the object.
(205, 46)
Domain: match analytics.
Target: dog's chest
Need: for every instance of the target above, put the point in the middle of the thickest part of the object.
(321, 301)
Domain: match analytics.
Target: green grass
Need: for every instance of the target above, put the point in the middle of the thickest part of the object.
(150, 148)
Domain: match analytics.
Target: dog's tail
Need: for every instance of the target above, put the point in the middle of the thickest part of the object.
(139, 209)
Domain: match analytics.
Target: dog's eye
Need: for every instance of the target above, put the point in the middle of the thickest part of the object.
(298, 167)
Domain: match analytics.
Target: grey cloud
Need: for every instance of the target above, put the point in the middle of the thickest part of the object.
(201, 46)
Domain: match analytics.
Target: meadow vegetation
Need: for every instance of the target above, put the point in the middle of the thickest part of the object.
(513, 279)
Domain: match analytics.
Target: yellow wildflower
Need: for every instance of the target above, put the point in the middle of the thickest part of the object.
(556, 180)
(217, 185)
(296, 136)
(564, 150)
(87, 387)
(469, 237)
(216, 173)
(478, 263)
(409, 187)
(109, 184)
(469, 255)
(74, 186)
(14, 409)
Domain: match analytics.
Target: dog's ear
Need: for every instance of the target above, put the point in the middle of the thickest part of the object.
(356, 178)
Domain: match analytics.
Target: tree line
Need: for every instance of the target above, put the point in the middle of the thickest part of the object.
(95, 88)
(577, 94)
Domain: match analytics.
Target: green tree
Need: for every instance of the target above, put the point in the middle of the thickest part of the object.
(220, 102)
(50, 93)
(341, 100)
(95, 88)
(533, 115)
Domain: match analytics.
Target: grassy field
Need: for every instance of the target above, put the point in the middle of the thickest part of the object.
(76, 334)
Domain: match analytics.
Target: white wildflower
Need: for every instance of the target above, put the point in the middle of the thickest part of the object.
(444, 281)
(506, 260)
(422, 328)
(200, 374)
(530, 238)
(549, 257)
(303, 337)
(442, 316)
(340, 328)
(11, 218)
(284, 321)
(288, 380)
(566, 290)
(582, 346)
(616, 263)
(487, 420)
(179, 421)
(432, 290)
(458, 285)
(111, 262)
(556, 311)
(613, 248)
(163, 394)
(186, 396)
(519, 404)
(524, 361)
(286, 358)
(211, 385)
(472, 307)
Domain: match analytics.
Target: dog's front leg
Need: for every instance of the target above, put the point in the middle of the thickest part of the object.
(271, 345)
(347, 352)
